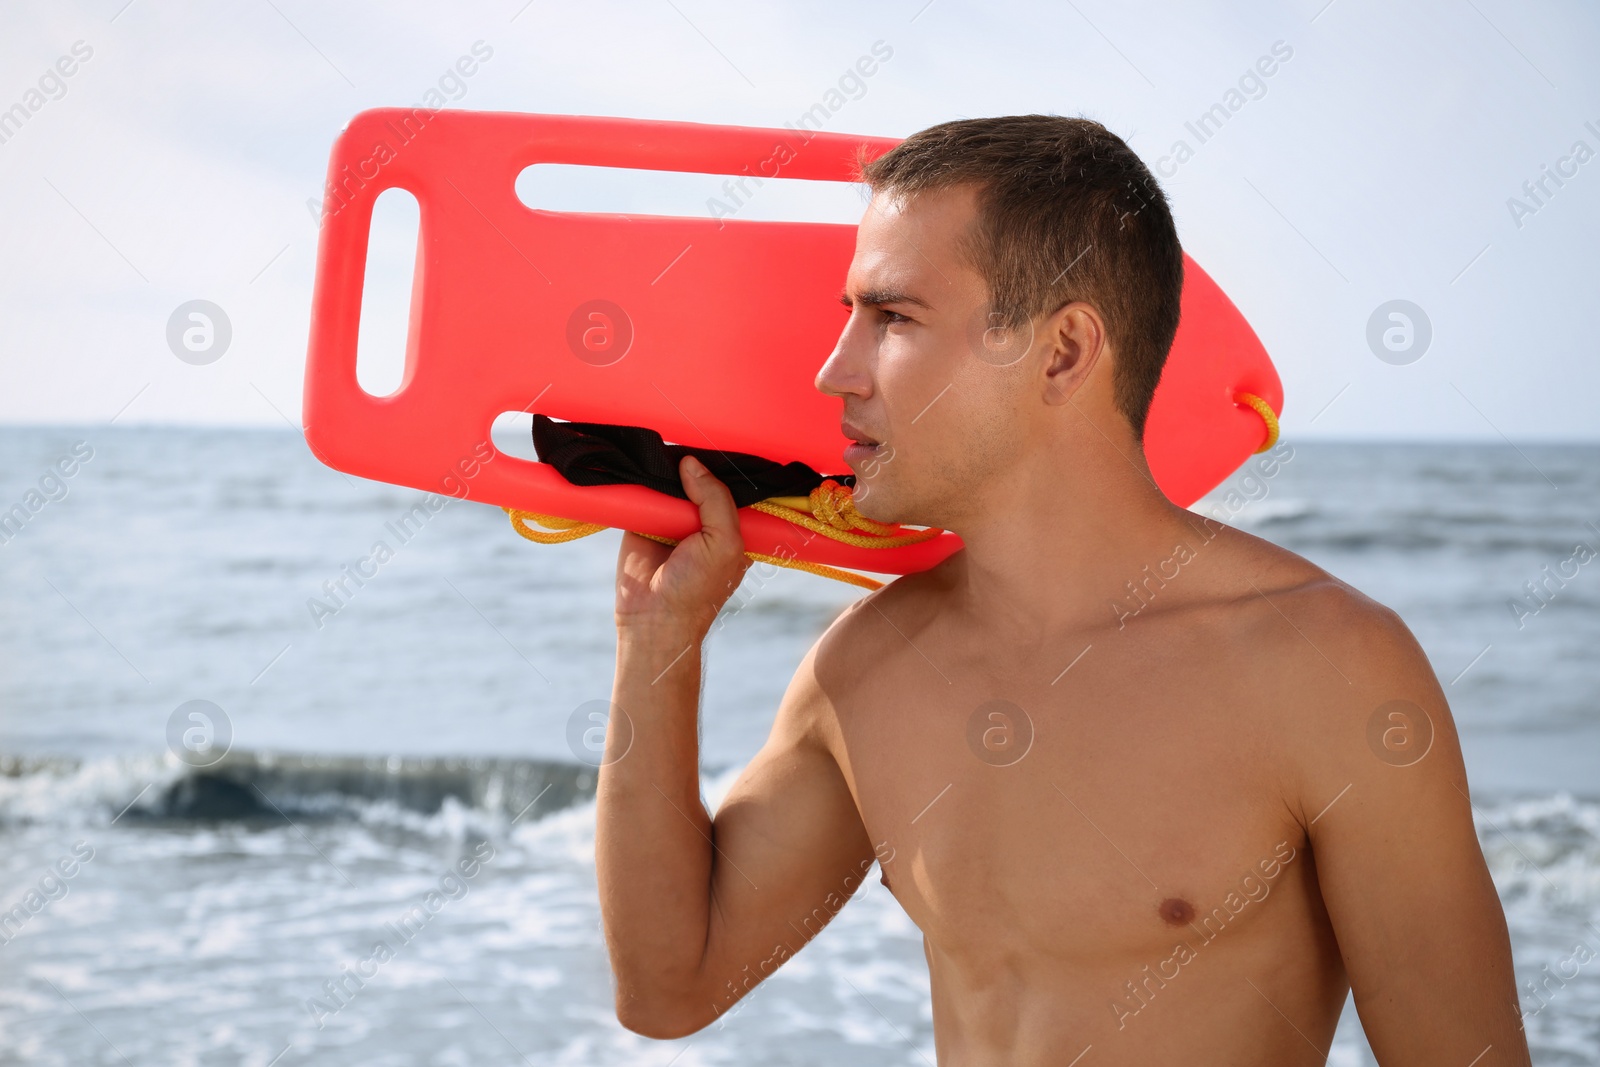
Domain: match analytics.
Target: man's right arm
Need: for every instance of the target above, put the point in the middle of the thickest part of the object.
(697, 910)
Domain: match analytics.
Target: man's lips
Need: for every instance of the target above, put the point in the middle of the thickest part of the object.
(856, 435)
(857, 450)
(860, 447)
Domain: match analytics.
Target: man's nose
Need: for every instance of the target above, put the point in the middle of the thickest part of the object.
(845, 372)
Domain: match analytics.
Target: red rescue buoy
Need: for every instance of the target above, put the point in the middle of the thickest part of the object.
(577, 310)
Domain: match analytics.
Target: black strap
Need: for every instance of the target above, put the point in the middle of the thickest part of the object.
(598, 453)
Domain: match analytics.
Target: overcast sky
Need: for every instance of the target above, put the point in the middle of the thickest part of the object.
(1383, 159)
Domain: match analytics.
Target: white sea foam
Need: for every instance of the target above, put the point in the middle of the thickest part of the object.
(1259, 513)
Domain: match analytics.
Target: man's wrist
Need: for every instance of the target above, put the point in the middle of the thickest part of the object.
(651, 654)
(647, 634)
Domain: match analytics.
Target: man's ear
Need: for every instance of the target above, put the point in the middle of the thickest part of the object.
(1075, 335)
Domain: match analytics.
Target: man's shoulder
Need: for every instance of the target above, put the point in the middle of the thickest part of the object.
(873, 625)
(1327, 660)
(1313, 621)
(860, 647)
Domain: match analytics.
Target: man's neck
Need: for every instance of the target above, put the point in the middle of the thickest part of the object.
(1056, 543)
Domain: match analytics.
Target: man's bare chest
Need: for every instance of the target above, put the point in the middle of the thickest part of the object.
(1092, 806)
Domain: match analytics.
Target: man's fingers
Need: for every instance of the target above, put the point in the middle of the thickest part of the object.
(634, 546)
(719, 518)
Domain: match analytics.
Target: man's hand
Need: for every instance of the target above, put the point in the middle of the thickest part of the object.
(684, 586)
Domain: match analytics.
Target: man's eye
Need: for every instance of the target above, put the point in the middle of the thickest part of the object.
(893, 316)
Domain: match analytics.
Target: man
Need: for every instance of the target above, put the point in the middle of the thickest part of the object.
(1176, 834)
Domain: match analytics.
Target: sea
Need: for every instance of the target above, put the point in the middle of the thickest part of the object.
(229, 769)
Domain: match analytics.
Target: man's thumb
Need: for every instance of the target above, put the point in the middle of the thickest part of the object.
(717, 511)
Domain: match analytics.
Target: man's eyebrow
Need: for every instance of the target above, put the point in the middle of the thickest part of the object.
(880, 297)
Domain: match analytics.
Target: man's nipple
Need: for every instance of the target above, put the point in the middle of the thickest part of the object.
(1175, 911)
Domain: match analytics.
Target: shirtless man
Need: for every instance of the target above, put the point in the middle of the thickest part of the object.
(1171, 821)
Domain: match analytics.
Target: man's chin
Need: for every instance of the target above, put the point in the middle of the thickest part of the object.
(872, 502)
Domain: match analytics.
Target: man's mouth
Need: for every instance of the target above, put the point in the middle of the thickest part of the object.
(861, 445)
(857, 436)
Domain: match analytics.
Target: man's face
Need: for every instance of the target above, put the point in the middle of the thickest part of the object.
(922, 374)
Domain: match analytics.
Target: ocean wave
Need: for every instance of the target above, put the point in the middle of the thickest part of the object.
(1259, 513)
(448, 795)
(1544, 852)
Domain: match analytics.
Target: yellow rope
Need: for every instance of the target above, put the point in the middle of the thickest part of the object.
(830, 510)
(1268, 416)
(819, 569)
(559, 529)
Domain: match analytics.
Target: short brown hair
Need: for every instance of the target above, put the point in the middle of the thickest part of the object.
(1066, 211)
